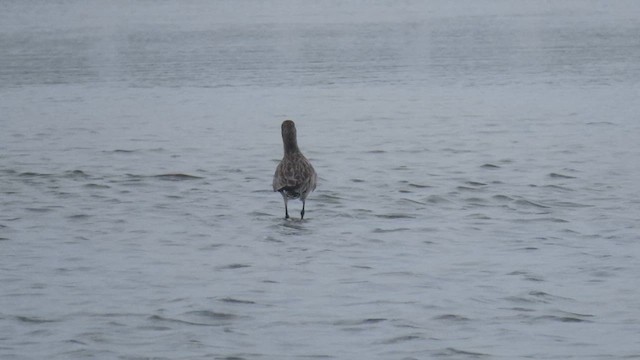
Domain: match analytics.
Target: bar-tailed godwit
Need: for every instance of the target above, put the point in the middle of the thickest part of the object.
(295, 178)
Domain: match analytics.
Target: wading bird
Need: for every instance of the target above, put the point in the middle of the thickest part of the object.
(295, 178)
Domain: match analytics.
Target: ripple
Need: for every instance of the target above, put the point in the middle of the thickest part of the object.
(467, 188)
(207, 314)
(122, 151)
(328, 198)
(558, 188)
(563, 319)
(359, 322)
(158, 318)
(526, 276)
(40, 209)
(177, 177)
(395, 216)
(411, 201)
(34, 319)
(401, 339)
(529, 203)
(475, 183)
(96, 186)
(236, 301)
(197, 318)
(453, 352)
(79, 217)
(383, 231)
(452, 318)
(233, 266)
(541, 219)
(569, 204)
(560, 176)
(419, 186)
(30, 174)
(75, 174)
(536, 297)
(437, 199)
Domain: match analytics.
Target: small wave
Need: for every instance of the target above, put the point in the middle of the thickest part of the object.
(158, 318)
(400, 339)
(467, 354)
(272, 239)
(456, 151)
(437, 199)
(76, 174)
(452, 318)
(557, 187)
(475, 183)
(329, 198)
(570, 204)
(467, 188)
(479, 216)
(96, 186)
(33, 174)
(541, 219)
(526, 276)
(236, 301)
(40, 210)
(529, 203)
(207, 314)
(560, 176)
(600, 123)
(176, 177)
(564, 319)
(33, 319)
(359, 322)
(79, 217)
(490, 166)
(401, 168)
(411, 201)
(383, 231)
(536, 297)
(419, 186)
(395, 216)
(233, 266)
(502, 198)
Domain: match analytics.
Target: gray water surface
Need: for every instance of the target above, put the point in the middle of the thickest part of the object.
(478, 180)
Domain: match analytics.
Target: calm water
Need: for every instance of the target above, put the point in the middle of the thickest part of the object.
(478, 192)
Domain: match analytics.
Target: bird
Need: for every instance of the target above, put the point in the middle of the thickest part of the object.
(295, 177)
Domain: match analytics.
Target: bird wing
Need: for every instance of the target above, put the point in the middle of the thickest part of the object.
(293, 174)
(283, 177)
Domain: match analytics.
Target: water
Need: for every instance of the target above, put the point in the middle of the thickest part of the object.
(477, 196)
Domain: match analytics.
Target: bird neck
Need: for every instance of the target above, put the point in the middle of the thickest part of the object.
(290, 143)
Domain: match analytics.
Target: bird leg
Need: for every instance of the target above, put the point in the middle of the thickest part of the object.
(286, 211)
(302, 212)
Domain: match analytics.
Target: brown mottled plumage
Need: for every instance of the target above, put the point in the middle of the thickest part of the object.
(295, 178)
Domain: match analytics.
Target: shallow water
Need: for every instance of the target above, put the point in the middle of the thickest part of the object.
(477, 196)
